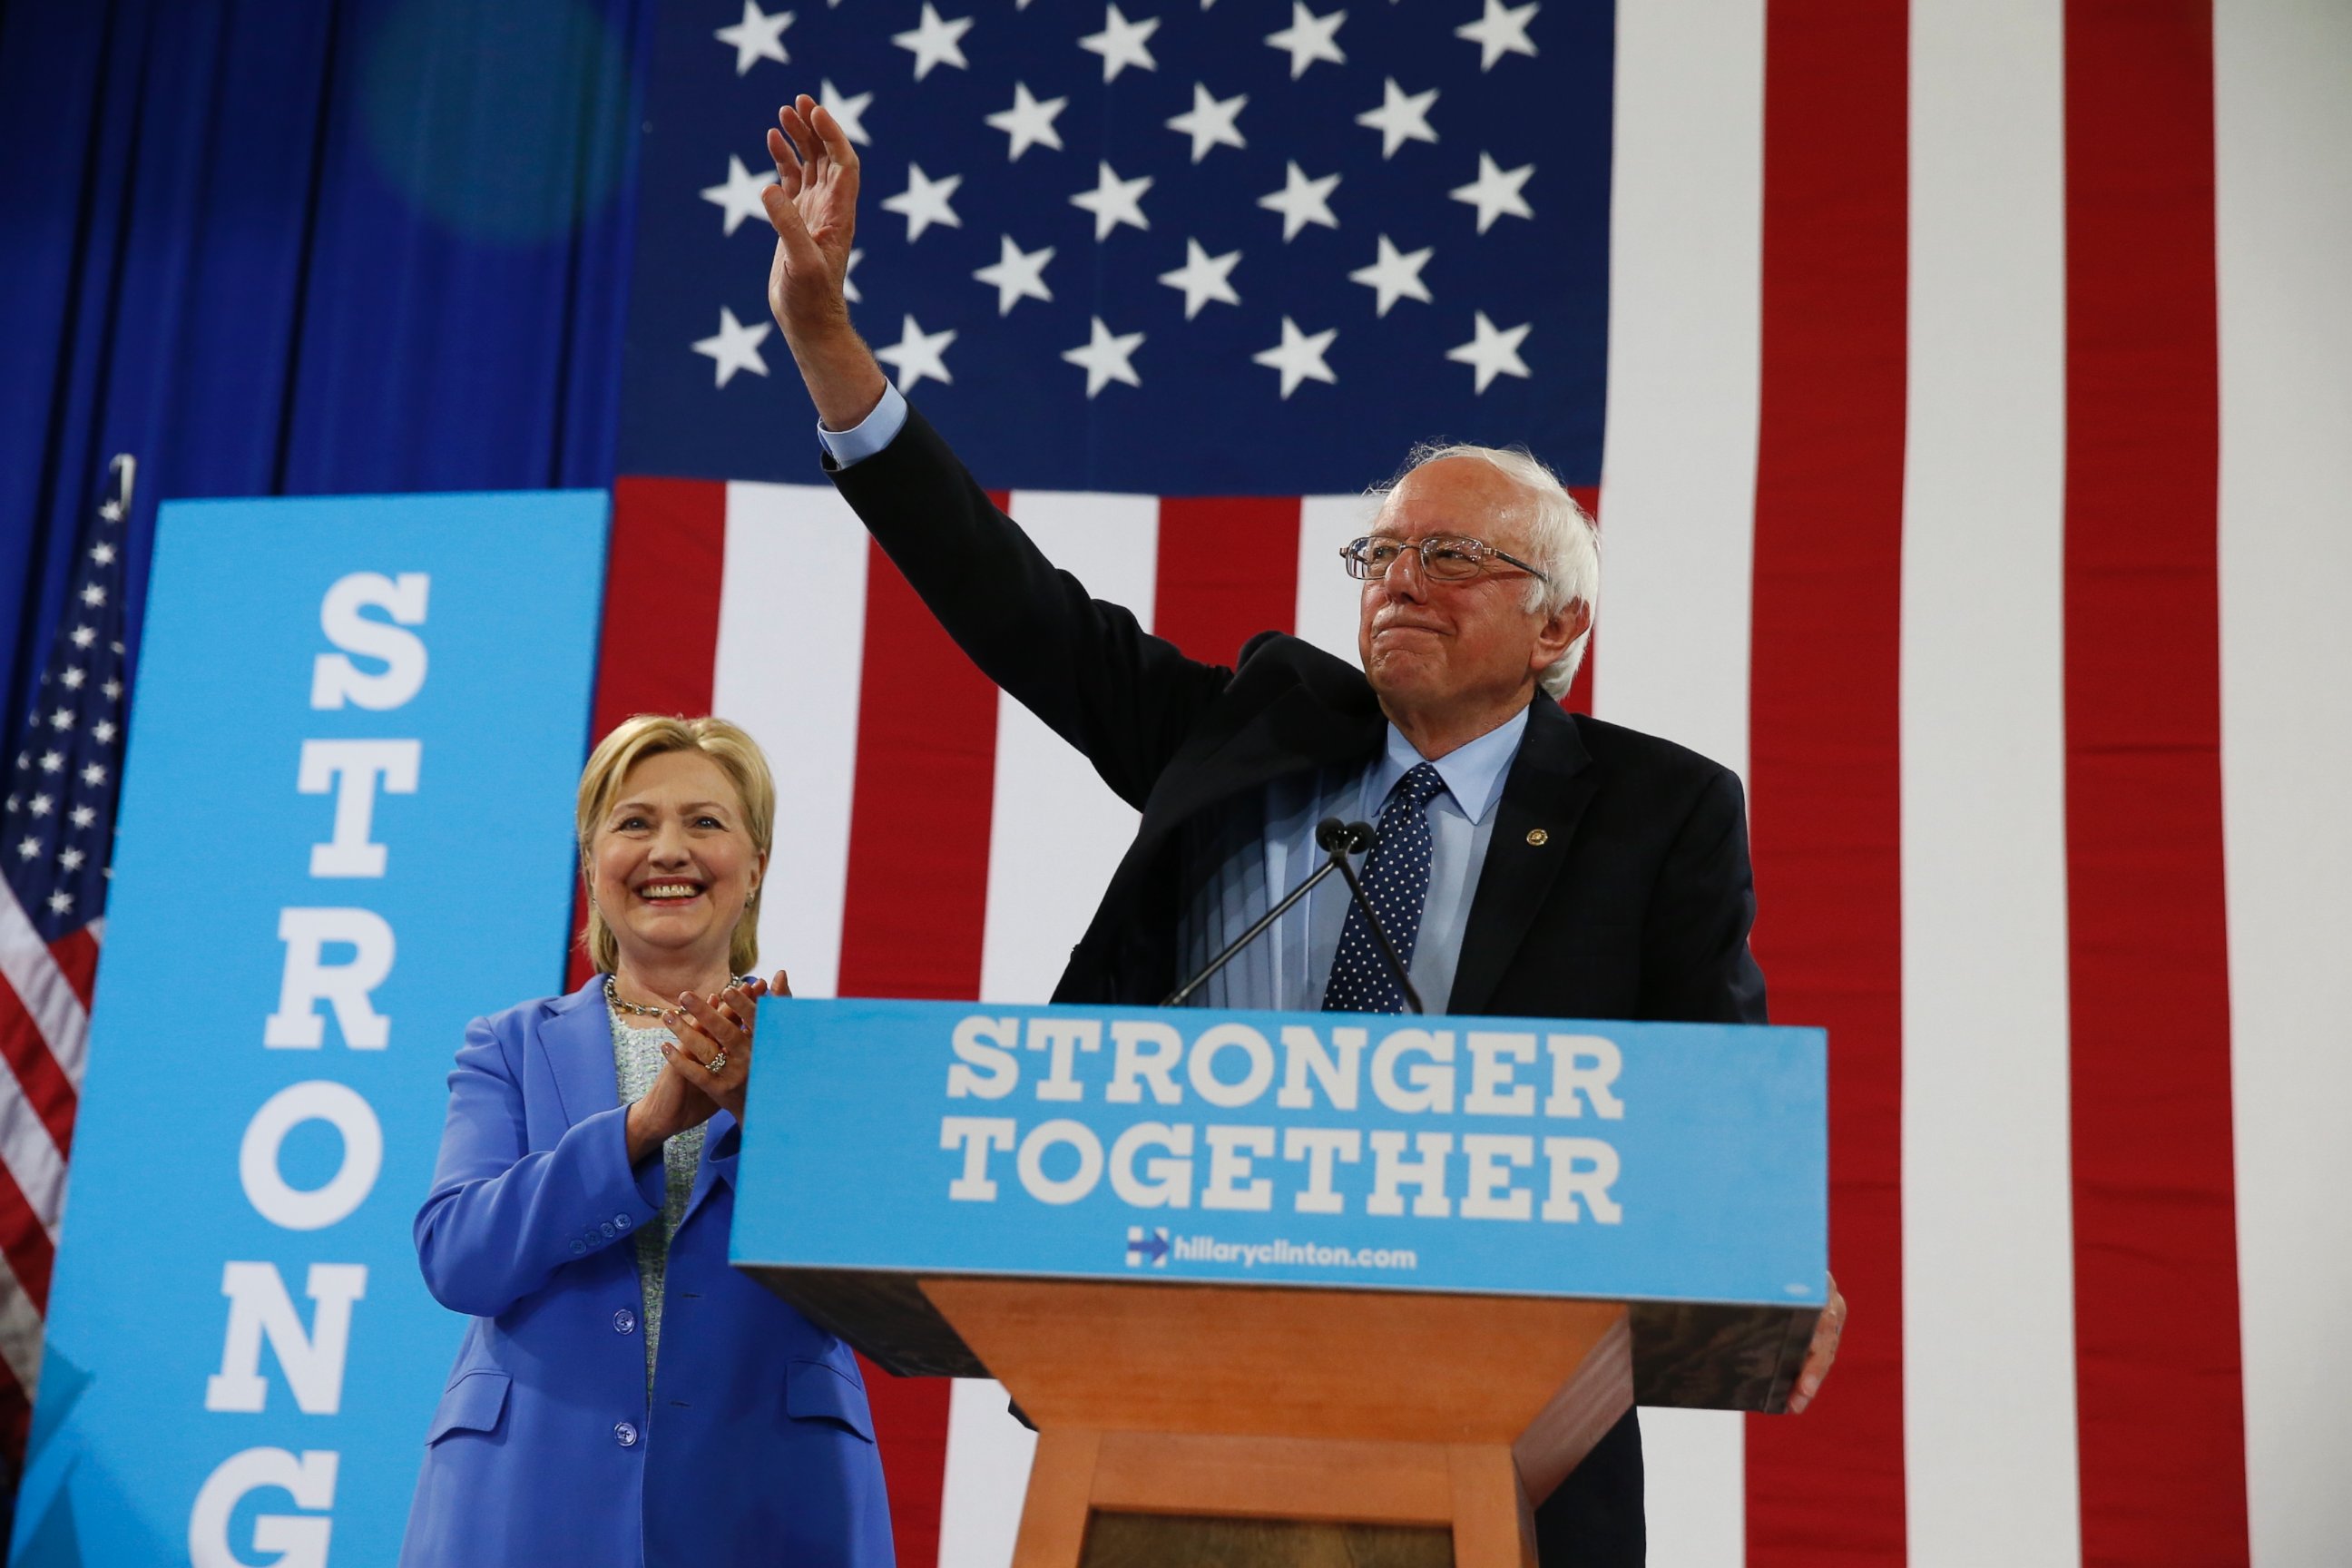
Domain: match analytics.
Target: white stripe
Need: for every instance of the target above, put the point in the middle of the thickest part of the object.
(1685, 304)
(20, 1331)
(1327, 597)
(1677, 507)
(33, 970)
(987, 1476)
(1057, 832)
(1988, 1243)
(30, 1154)
(1056, 835)
(2283, 123)
(791, 631)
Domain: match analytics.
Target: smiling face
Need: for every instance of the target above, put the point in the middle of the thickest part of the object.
(1471, 649)
(672, 863)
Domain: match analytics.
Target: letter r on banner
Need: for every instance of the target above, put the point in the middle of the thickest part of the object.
(309, 979)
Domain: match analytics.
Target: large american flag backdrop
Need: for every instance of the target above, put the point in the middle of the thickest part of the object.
(1901, 349)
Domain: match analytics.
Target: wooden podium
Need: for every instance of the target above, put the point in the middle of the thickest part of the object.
(1214, 1409)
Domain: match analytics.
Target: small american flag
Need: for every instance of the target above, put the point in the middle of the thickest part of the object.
(56, 839)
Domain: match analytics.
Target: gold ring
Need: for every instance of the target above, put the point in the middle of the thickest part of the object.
(716, 1064)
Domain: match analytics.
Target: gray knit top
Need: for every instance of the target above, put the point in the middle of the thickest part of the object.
(636, 1062)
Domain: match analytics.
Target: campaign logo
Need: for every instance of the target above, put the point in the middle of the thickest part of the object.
(1153, 1246)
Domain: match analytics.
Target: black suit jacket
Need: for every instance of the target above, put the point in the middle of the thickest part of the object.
(1616, 883)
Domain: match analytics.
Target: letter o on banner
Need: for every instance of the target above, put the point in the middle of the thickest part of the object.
(319, 1100)
(1032, 1162)
(1203, 1070)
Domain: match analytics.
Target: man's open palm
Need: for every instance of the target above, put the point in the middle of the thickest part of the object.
(813, 208)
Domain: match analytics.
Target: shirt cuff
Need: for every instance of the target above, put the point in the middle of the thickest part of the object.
(871, 434)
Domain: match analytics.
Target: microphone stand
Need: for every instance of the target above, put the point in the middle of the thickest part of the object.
(1338, 840)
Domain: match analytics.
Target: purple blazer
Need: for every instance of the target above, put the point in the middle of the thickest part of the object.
(756, 1447)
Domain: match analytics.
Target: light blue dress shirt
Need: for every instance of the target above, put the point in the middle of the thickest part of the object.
(869, 435)
(1260, 861)
(1257, 863)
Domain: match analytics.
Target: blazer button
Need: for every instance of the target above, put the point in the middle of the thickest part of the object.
(624, 1322)
(621, 1221)
(624, 1433)
(608, 1231)
(579, 1248)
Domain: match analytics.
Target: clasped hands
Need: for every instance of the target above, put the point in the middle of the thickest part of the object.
(707, 1069)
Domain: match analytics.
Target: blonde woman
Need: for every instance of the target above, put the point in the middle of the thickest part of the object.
(622, 1396)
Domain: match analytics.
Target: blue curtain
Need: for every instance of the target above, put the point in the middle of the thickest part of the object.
(290, 246)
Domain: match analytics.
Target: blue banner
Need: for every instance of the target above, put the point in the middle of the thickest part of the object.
(346, 830)
(1525, 1156)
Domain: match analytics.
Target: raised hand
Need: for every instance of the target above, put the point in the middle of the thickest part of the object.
(814, 208)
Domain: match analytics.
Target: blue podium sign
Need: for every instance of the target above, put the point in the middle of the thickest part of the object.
(1523, 1156)
(345, 831)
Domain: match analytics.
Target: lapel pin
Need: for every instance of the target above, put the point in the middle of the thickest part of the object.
(1538, 837)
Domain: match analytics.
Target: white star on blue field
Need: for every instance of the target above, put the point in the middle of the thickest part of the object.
(1153, 246)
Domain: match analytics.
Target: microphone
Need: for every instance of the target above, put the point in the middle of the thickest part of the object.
(1338, 841)
(1362, 833)
(1355, 838)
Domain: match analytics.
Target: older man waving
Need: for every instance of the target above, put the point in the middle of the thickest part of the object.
(1531, 862)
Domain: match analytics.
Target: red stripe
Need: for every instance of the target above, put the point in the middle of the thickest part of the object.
(77, 954)
(27, 1050)
(2156, 1302)
(24, 1243)
(911, 1425)
(1827, 1487)
(1228, 569)
(919, 817)
(912, 917)
(668, 549)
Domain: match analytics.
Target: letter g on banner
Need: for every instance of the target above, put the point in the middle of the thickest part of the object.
(300, 1540)
(266, 1188)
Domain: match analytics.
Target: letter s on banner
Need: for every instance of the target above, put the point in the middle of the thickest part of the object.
(299, 1540)
(985, 1067)
(334, 679)
(319, 1100)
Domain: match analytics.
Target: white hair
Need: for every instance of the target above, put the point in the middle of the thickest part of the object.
(1563, 541)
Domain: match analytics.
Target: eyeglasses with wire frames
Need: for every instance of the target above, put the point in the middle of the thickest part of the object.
(1444, 557)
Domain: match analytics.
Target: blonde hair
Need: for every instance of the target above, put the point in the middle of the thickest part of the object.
(644, 735)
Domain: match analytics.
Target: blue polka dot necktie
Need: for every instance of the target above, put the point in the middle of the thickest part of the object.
(1396, 883)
